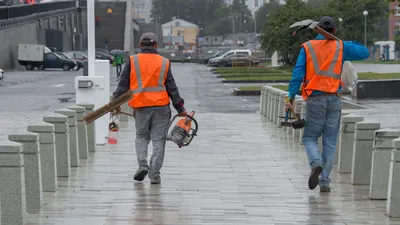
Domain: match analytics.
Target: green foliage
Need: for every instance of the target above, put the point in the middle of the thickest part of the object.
(277, 36)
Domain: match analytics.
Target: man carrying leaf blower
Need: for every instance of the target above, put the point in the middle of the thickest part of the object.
(149, 76)
(318, 70)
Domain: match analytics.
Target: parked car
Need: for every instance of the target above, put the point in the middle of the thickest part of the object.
(77, 55)
(238, 60)
(102, 50)
(221, 60)
(103, 56)
(1, 74)
(31, 56)
(79, 63)
(206, 59)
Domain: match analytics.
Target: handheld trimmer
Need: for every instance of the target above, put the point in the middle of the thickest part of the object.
(182, 133)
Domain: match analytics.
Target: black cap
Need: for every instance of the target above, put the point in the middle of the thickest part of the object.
(327, 22)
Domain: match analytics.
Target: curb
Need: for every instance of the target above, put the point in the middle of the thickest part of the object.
(254, 81)
(21, 81)
(238, 92)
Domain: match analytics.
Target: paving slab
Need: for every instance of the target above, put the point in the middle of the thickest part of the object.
(242, 172)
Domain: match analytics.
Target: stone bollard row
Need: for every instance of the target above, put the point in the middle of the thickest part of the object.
(383, 144)
(32, 160)
(346, 142)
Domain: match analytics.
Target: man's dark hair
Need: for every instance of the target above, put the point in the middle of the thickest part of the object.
(148, 43)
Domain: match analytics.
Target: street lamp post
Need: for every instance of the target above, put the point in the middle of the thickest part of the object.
(365, 13)
(91, 37)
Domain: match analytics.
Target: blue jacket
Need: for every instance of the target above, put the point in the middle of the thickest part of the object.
(352, 50)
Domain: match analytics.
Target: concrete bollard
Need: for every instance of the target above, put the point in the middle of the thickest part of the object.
(82, 131)
(276, 106)
(61, 131)
(268, 100)
(262, 96)
(47, 154)
(362, 152)
(73, 136)
(269, 106)
(281, 105)
(32, 168)
(273, 104)
(124, 108)
(346, 142)
(91, 135)
(393, 194)
(383, 144)
(303, 111)
(297, 109)
(264, 102)
(11, 162)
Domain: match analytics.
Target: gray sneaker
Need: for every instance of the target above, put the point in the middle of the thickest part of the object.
(155, 180)
(324, 189)
(141, 174)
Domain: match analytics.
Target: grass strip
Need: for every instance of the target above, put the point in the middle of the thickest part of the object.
(378, 76)
(265, 78)
(227, 75)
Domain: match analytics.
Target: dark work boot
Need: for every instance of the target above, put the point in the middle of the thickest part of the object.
(141, 174)
(324, 189)
(314, 177)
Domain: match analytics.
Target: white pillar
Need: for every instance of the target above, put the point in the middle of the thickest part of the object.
(362, 152)
(383, 145)
(393, 195)
(91, 37)
(346, 142)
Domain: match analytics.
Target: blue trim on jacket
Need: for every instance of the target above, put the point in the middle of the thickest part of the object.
(352, 51)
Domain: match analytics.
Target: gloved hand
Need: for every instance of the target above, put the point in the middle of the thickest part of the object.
(183, 114)
(288, 105)
(117, 110)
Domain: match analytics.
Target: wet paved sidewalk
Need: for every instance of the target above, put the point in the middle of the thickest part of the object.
(239, 170)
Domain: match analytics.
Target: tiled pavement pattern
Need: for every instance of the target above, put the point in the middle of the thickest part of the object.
(239, 170)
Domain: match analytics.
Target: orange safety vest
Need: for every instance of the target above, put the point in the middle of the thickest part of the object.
(323, 66)
(147, 78)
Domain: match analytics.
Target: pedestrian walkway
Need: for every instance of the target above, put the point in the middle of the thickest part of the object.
(238, 170)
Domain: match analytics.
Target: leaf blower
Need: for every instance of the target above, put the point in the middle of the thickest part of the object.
(182, 133)
(298, 123)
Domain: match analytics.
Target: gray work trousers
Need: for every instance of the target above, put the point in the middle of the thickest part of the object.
(151, 124)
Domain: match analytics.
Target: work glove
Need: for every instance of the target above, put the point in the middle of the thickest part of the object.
(183, 114)
(288, 105)
(117, 110)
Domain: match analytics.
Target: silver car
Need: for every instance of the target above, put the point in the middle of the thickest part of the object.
(1, 74)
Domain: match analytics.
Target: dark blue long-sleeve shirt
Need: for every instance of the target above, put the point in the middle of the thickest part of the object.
(352, 51)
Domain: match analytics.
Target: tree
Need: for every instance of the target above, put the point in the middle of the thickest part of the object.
(277, 36)
(351, 12)
(263, 11)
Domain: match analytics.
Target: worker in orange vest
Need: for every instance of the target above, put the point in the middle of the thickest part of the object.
(318, 70)
(149, 76)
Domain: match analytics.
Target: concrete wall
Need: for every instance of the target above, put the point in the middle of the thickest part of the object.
(10, 38)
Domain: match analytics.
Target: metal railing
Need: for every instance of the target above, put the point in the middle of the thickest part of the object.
(18, 11)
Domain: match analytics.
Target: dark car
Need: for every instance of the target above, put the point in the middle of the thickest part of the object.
(79, 63)
(77, 55)
(206, 59)
(103, 56)
(52, 60)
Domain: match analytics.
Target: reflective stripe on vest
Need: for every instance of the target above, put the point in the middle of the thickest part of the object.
(160, 86)
(328, 72)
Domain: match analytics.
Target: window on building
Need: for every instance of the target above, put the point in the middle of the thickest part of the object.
(397, 26)
(397, 11)
(255, 3)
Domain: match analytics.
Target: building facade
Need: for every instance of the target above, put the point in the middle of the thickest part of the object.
(394, 20)
(180, 28)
